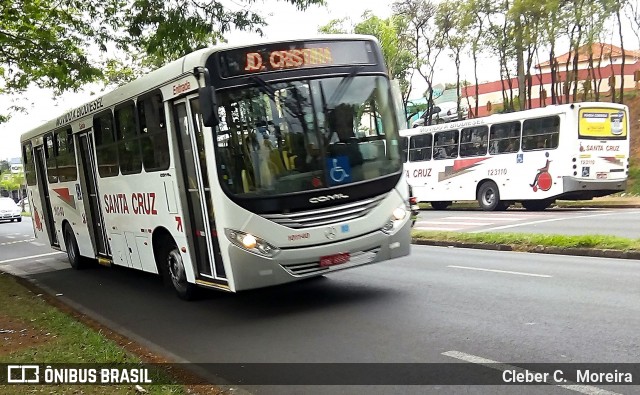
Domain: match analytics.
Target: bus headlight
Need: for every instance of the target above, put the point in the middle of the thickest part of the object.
(251, 243)
(395, 221)
(399, 213)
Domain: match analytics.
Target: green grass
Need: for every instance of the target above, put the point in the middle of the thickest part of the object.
(523, 241)
(51, 336)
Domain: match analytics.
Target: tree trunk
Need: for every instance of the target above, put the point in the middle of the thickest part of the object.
(623, 56)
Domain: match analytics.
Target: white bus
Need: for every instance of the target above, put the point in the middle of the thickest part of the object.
(235, 167)
(572, 151)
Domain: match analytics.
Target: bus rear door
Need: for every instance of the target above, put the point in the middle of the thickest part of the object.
(45, 198)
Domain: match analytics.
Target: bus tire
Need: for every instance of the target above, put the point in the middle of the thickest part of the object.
(172, 270)
(440, 205)
(536, 205)
(71, 245)
(489, 197)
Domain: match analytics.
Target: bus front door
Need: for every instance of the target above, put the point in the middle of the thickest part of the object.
(200, 221)
(89, 185)
(45, 198)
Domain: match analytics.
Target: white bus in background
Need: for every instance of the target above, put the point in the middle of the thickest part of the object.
(235, 167)
(572, 152)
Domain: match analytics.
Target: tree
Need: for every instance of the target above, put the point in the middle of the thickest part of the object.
(4, 166)
(391, 33)
(425, 43)
(48, 43)
(453, 23)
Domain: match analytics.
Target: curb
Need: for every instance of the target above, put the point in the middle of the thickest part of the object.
(592, 252)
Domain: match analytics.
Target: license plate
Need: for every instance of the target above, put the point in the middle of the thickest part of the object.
(601, 175)
(336, 259)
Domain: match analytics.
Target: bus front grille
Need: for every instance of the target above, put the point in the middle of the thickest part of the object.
(325, 216)
(312, 268)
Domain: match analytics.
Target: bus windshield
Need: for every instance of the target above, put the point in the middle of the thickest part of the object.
(308, 134)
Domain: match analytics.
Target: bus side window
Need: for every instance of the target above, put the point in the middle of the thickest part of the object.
(29, 165)
(420, 148)
(445, 145)
(474, 141)
(106, 145)
(504, 138)
(153, 130)
(128, 140)
(541, 133)
(65, 156)
(50, 154)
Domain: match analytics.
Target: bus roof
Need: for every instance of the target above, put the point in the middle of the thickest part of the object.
(172, 71)
(511, 116)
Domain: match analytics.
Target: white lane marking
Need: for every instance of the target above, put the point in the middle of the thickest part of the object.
(31, 257)
(10, 237)
(37, 243)
(499, 271)
(15, 242)
(418, 227)
(549, 220)
(459, 223)
(492, 218)
(583, 389)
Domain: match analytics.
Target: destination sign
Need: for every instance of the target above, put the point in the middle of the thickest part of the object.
(285, 56)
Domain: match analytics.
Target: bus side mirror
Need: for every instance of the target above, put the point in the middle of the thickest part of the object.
(209, 106)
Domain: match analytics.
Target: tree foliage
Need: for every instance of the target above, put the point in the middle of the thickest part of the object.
(49, 42)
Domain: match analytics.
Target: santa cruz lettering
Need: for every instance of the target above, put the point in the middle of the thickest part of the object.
(141, 203)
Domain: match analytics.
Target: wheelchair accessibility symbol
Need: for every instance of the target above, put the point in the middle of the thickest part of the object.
(339, 170)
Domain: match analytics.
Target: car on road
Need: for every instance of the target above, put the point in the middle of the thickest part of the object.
(9, 210)
(443, 112)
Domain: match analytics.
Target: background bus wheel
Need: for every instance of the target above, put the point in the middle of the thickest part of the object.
(173, 271)
(489, 197)
(440, 205)
(536, 205)
(73, 253)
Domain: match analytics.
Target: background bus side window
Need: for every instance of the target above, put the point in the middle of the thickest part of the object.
(29, 166)
(504, 138)
(153, 129)
(474, 141)
(65, 158)
(540, 133)
(128, 140)
(445, 145)
(420, 148)
(106, 148)
(50, 154)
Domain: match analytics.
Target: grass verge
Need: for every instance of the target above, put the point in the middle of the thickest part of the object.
(525, 241)
(34, 331)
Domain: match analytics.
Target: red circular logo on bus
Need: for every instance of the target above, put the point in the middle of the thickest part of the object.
(544, 181)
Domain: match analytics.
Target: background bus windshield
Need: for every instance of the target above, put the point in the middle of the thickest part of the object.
(306, 135)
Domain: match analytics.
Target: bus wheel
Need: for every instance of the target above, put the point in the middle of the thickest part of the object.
(173, 270)
(73, 253)
(489, 197)
(536, 205)
(440, 205)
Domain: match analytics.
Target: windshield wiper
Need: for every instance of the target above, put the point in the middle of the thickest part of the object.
(342, 87)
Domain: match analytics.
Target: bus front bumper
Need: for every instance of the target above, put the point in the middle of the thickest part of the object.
(254, 271)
